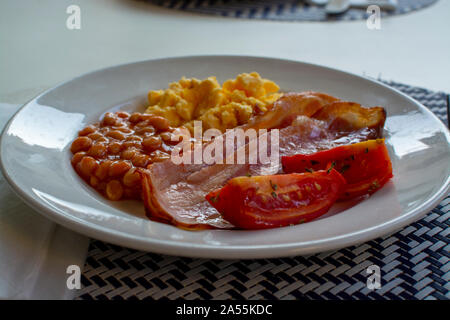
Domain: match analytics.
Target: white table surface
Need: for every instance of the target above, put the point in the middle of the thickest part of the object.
(37, 51)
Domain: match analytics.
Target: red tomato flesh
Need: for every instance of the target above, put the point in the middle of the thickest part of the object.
(262, 202)
(366, 166)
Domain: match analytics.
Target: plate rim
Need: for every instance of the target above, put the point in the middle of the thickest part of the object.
(203, 250)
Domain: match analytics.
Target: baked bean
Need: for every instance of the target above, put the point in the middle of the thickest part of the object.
(124, 129)
(103, 169)
(132, 144)
(142, 124)
(77, 157)
(80, 144)
(120, 123)
(87, 165)
(123, 114)
(148, 129)
(135, 117)
(114, 147)
(97, 150)
(114, 190)
(116, 134)
(109, 119)
(87, 130)
(140, 160)
(95, 135)
(131, 178)
(133, 137)
(151, 143)
(107, 153)
(119, 168)
(127, 154)
(160, 123)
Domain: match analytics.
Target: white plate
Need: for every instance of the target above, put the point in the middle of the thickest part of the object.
(35, 159)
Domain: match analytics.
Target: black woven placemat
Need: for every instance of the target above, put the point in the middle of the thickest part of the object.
(414, 262)
(286, 10)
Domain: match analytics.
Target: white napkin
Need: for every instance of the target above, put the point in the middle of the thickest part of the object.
(34, 251)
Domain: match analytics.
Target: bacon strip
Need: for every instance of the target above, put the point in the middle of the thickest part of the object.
(288, 107)
(175, 194)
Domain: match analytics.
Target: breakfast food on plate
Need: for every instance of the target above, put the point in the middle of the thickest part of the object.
(176, 194)
(217, 107)
(277, 200)
(106, 154)
(328, 150)
(365, 166)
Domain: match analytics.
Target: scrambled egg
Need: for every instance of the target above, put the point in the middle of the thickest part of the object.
(217, 107)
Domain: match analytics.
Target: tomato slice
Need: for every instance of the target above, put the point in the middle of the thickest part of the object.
(366, 166)
(262, 202)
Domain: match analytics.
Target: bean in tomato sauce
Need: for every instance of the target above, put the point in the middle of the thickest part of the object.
(107, 153)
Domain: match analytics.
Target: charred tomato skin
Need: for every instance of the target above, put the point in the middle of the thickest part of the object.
(366, 166)
(263, 202)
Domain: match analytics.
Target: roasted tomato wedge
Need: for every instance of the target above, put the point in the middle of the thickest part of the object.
(365, 166)
(262, 202)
